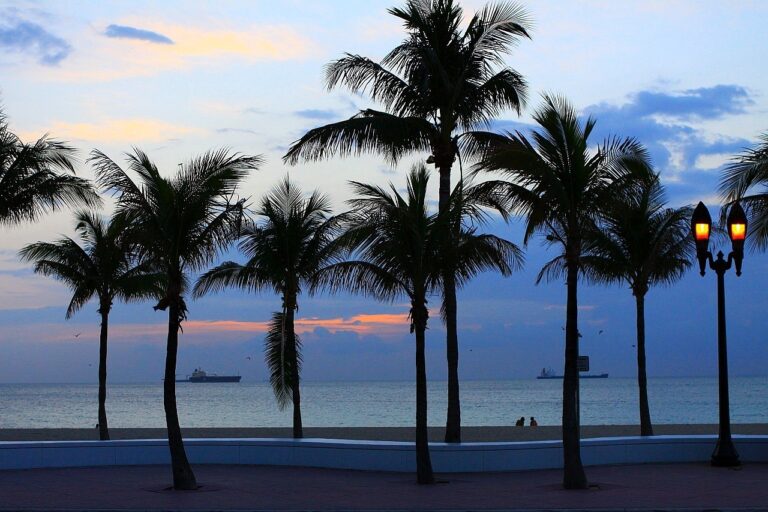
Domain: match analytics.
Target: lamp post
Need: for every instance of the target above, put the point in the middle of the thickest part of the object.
(701, 223)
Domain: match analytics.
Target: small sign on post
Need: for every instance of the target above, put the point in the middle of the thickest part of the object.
(582, 363)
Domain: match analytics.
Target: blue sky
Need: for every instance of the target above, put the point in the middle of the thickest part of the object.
(178, 78)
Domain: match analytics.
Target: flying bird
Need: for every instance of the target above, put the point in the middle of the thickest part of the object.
(78, 335)
(600, 331)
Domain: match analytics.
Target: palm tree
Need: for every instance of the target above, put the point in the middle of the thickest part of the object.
(179, 225)
(746, 180)
(284, 252)
(397, 244)
(439, 89)
(560, 187)
(102, 267)
(640, 243)
(31, 178)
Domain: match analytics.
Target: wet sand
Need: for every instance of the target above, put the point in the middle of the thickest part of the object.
(469, 434)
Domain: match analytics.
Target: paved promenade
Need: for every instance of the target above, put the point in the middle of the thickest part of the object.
(650, 487)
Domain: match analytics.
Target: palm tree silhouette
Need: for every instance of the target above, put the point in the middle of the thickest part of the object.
(746, 180)
(439, 89)
(641, 243)
(103, 267)
(560, 186)
(179, 225)
(396, 245)
(34, 178)
(284, 253)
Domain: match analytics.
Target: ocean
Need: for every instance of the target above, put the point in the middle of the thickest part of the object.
(379, 404)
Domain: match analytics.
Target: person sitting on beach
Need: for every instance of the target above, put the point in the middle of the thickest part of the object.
(534, 423)
(520, 422)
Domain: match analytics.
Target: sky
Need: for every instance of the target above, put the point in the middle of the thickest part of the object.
(178, 78)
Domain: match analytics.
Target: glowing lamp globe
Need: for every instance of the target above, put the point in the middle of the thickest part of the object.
(701, 227)
(737, 230)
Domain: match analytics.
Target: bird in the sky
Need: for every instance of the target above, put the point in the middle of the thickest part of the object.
(78, 335)
(248, 357)
(600, 331)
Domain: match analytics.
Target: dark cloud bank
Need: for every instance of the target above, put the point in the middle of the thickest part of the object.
(662, 122)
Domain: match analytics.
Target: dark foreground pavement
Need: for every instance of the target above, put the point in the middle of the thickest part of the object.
(668, 486)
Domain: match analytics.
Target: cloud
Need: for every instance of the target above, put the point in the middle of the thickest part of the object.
(26, 36)
(125, 32)
(376, 323)
(203, 331)
(664, 122)
(312, 113)
(236, 130)
(19, 291)
(120, 130)
(671, 125)
(702, 103)
(112, 58)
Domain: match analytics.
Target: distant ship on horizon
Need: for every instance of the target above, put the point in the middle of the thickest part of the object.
(549, 373)
(199, 375)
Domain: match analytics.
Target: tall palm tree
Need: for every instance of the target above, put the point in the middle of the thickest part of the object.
(560, 186)
(746, 180)
(285, 251)
(642, 243)
(102, 267)
(179, 225)
(396, 244)
(34, 178)
(439, 89)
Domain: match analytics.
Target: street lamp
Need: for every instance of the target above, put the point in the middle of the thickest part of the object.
(701, 223)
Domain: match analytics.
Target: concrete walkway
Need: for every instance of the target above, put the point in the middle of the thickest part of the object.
(672, 486)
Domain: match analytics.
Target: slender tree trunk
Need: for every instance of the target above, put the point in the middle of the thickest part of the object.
(103, 427)
(573, 475)
(293, 354)
(453, 418)
(183, 477)
(646, 428)
(424, 473)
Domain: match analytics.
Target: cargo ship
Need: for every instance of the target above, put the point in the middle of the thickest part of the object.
(199, 375)
(548, 373)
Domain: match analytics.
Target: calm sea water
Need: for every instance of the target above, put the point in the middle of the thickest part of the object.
(324, 404)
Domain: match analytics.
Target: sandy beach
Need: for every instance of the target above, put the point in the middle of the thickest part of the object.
(469, 434)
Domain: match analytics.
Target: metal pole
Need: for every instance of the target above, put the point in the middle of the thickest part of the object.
(725, 452)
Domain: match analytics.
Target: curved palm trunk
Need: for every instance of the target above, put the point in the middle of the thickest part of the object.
(453, 418)
(573, 475)
(646, 428)
(424, 473)
(293, 355)
(183, 477)
(103, 427)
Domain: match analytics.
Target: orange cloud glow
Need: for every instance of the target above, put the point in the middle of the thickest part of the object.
(203, 331)
(104, 59)
(120, 130)
(381, 324)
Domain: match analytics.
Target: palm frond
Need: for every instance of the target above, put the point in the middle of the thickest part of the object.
(370, 131)
(360, 74)
(230, 275)
(277, 354)
(37, 178)
(747, 170)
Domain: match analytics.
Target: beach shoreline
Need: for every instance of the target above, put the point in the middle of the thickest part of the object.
(469, 433)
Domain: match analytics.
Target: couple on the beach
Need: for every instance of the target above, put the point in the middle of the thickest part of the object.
(521, 422)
